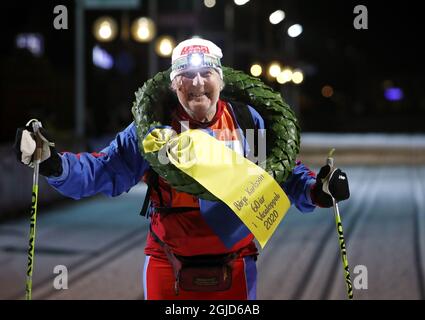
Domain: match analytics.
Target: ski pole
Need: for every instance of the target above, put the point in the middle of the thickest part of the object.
(33, 217)
(339, 229)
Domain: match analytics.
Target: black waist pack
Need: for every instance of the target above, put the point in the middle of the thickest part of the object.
(205, 273)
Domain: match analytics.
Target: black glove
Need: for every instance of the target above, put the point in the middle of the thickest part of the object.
(24, 147)
(338, 187)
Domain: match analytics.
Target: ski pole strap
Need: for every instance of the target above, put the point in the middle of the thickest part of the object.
(36, 125)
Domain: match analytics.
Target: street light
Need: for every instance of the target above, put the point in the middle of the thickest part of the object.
(105, 29)
(274, 69)
(164, 46)
(256, 70)
(240, 2)
(277, 17)
(295, 30)
(284, 76)
(209, 3)
(327, 91)
(280, 79)
(143, 29)
(297, 76)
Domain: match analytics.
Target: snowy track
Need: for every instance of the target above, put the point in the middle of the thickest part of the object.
(101, 241)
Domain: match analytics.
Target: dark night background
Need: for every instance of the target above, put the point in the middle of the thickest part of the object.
(358, 64)
(100, 239)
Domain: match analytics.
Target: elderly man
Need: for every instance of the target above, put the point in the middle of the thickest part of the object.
(180, 239)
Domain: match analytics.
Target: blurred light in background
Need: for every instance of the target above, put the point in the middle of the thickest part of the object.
(284, 76)
(101, 58)
(277, 17)
(33, 42)
(209, 3)
(295, 30)
(105, 29)
(143, 29)
(164, 46)
(280, 79)
(274, 69)
(393, 94)
(240, 2)
(297, 76)
(256, 70)
(327, 91)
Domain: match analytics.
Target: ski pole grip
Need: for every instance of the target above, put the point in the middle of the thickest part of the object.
(38, 141)
(330, 159)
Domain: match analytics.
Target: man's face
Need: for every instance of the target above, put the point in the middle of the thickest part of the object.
(198, 91)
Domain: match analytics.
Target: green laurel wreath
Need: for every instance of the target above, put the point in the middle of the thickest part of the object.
(155, 100)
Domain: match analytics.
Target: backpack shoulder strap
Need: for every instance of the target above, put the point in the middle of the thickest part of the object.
(146, 202)
(246, 121)
(243, 115)
(152, 182)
